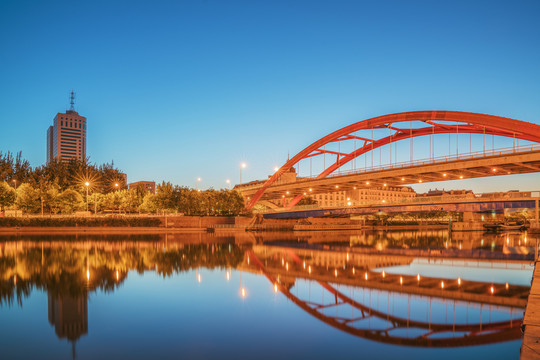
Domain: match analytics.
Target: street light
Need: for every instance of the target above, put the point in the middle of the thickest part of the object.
(228, 183)
(242, 166)
(87, 184)
(198, 180)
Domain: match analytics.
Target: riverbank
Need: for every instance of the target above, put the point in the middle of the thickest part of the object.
(530, 348)
(97, 230)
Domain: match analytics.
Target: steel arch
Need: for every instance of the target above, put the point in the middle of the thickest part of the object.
(473, 123)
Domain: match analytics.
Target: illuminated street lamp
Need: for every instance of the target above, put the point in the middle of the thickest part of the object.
(242, 166)
(87, 185)
(197, 184)
(228, 183)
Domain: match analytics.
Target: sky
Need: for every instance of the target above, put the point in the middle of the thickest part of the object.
(180, 90)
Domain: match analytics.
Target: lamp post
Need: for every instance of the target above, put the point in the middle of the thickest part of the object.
(197, 184)
(87, 184)
(228, 183)
(242, 166)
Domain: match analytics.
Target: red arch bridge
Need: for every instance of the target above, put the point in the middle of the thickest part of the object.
(337, 154)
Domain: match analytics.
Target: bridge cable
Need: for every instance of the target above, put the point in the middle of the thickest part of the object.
(353, 163)
(484, 140)
(372, 147)
(410, 137)
(339, 157)
(457, 140)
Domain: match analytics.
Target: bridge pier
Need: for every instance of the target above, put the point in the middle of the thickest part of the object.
(536, 213)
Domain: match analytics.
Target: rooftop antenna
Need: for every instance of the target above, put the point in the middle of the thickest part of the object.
(72, 101)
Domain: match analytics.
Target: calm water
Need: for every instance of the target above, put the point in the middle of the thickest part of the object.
(264, 296)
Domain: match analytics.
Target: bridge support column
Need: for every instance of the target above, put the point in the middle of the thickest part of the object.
(536, 212)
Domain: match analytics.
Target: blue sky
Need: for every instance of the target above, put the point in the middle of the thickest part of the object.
(175, 90)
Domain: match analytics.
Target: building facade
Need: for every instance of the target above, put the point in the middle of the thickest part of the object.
(66, 138)
(366, 196)
(150, 186)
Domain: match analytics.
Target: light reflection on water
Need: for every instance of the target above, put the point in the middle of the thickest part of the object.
(207, 296)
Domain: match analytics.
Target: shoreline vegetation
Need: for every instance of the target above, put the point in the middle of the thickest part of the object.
(71, 187)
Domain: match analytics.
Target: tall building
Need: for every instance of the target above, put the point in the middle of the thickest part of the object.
(66, 138)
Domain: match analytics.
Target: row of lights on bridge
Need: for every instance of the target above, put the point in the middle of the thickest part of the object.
(385, 185)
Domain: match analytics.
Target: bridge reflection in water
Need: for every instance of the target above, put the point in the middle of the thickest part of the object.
(368, 307)
(338, 282)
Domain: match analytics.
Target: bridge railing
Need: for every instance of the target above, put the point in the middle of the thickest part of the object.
(404, 164)
(434, 160)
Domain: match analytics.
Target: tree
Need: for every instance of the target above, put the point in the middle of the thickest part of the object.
(165, 197)
(307, 200)
(28, 199)
(129, 201)
(8, 195)
(150, 204)
(51, 198)
(70, 201)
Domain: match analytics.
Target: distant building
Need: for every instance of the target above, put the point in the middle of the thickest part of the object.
(66, 138)
(445, 193)
(367, 196)
(352, 197)
(148, 185)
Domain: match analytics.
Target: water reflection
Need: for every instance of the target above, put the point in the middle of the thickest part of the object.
(352, 281)
(69, 316)
(352, 310)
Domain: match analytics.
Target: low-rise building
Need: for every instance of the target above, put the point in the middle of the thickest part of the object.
(148, 185)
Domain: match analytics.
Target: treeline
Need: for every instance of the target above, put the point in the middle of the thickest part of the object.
(69, 187)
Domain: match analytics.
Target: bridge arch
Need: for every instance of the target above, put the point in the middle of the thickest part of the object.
(437, 122)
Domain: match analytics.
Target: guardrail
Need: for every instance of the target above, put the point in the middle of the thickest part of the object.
(434, 160)
(404, 164)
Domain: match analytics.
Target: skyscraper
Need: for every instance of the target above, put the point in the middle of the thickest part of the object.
(66, 138)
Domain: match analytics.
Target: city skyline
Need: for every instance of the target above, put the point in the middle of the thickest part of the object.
(196, 92)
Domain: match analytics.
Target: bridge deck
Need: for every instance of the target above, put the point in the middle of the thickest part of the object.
(530, 349)
(453, 168)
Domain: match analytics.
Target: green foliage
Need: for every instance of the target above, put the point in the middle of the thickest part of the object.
(60, 187)
(70, 201)
(307, 200)
(8, 195)
(51, 199)
(28, 198)
(79, 221)
(14, 169)
(130, 201)
(150, 204)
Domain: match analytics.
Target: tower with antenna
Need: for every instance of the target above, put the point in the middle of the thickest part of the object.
(66, 138)
(72, 101)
